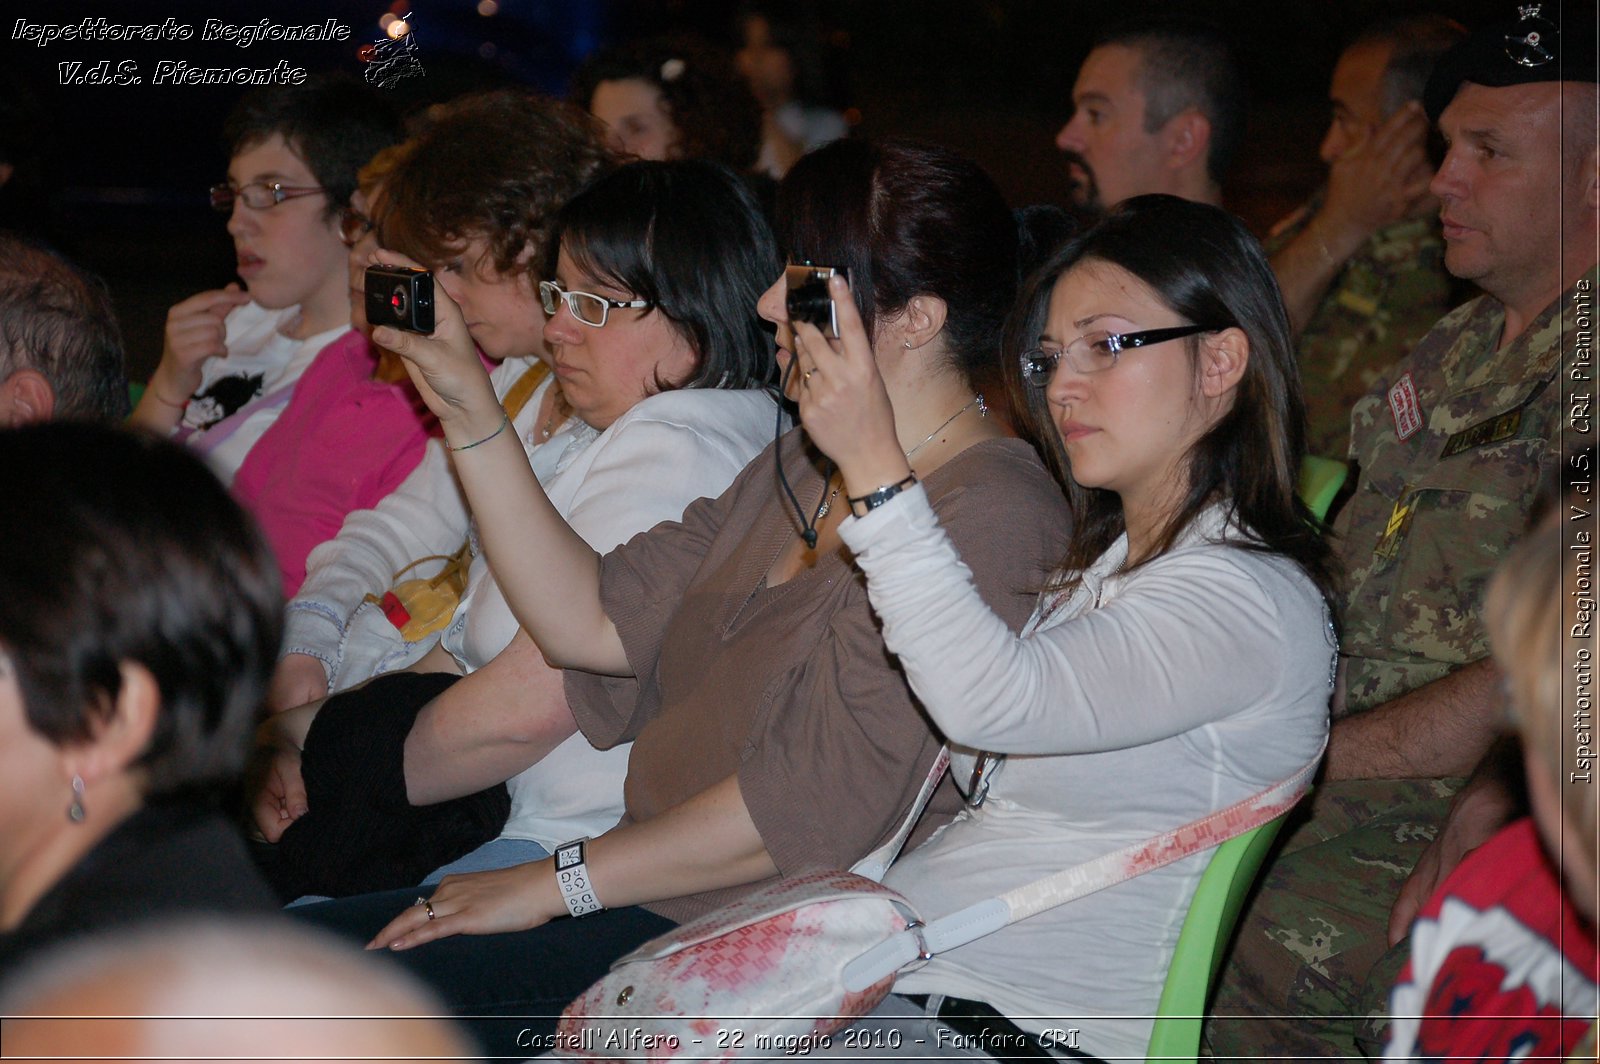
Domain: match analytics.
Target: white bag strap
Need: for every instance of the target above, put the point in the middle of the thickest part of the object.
(876, 863)
(991, 914)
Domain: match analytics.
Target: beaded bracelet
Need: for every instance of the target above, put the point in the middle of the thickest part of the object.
(505, 419)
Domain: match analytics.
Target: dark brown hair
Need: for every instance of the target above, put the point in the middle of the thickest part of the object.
(121, 547)
(1204, 265)
(907, 219)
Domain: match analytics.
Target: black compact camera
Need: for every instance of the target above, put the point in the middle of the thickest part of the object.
(400, 296)
(809, 299)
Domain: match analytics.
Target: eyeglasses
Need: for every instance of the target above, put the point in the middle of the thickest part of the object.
(353, 225)
(1095, 352)
(585, 306)
(258, 195)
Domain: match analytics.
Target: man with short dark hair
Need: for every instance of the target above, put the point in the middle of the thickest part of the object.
(1362, 264)
(60, 347)
(1156, 108)
(1453, 444)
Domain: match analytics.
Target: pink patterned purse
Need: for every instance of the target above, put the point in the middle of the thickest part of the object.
(809, 956)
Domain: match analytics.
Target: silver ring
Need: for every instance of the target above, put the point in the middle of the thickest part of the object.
(427, 903)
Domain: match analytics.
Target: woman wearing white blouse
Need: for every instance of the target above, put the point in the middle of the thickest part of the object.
(1179, 663)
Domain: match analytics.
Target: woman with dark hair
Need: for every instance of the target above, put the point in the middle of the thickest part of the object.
(672, 97)
(647, 270)
(771, 734)
(137, 632)
(1179, 661)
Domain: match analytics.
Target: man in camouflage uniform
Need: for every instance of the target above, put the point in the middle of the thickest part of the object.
(1362, 265)
(1452, 444)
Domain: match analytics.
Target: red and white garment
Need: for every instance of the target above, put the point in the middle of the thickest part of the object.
(1502, 967)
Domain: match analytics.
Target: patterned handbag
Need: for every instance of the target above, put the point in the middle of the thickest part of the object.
(808, 956)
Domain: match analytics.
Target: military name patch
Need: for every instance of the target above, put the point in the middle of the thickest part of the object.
(1492, 430)
(1404, 408)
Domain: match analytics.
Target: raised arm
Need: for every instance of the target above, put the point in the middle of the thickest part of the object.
(1172, 637)
(550, 575)
(1377, 183)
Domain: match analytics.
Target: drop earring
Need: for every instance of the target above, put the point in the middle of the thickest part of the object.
(75, 811)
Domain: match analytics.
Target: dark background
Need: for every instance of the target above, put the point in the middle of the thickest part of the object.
(117, 174)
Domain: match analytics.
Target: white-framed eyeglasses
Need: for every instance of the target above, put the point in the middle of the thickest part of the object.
(586, 307)
(1095, 352)
(258, 195)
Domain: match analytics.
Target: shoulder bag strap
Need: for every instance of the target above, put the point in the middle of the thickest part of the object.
(991, 914)
(518, 394)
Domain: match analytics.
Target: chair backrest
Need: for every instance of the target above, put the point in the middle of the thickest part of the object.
(1203, 941)
(1319, 484)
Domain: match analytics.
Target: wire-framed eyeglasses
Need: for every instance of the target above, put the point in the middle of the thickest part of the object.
(258, 195)
(586, 307)
(1095, 352)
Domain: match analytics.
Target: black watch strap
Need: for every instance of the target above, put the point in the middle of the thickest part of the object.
(862, 505)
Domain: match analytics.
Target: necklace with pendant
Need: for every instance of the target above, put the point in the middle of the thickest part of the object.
(983, 411)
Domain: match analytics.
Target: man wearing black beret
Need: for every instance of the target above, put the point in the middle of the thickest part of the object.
(1452, 446)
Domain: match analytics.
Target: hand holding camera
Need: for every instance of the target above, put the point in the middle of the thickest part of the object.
(808, 298)
(844, 404)
(401, 296)
(419, 321)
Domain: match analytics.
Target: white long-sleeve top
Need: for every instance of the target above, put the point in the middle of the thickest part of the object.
(1140, 702)
(426, 515)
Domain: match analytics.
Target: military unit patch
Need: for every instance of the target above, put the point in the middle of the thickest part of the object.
(1404, 408)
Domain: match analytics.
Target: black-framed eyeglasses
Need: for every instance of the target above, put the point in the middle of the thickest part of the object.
(586, 307)
(353, 225)
(1095, 352)
(258, 195)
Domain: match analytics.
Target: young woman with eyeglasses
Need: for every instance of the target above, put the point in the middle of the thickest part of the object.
(231, 355)
(1180, 659)
(772, 735)
(353, 429)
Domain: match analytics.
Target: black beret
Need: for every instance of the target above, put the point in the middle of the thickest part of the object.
(1528, 48)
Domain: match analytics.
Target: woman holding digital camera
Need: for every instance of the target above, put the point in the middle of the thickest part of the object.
(1180, 659)
(772, 734)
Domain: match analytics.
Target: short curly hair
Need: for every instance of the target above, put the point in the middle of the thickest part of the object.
(495, 165)
(709, 101)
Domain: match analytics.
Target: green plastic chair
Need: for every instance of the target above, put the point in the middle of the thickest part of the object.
(1204, 940)
(1320, 481)
(1228, 877)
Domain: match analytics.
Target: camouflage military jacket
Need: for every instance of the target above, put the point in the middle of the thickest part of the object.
(1452, 444)
(1384, 299)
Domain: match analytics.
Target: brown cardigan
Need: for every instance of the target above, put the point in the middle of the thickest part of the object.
(790, 686)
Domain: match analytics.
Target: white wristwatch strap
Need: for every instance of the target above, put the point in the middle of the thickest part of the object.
(572, 877)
